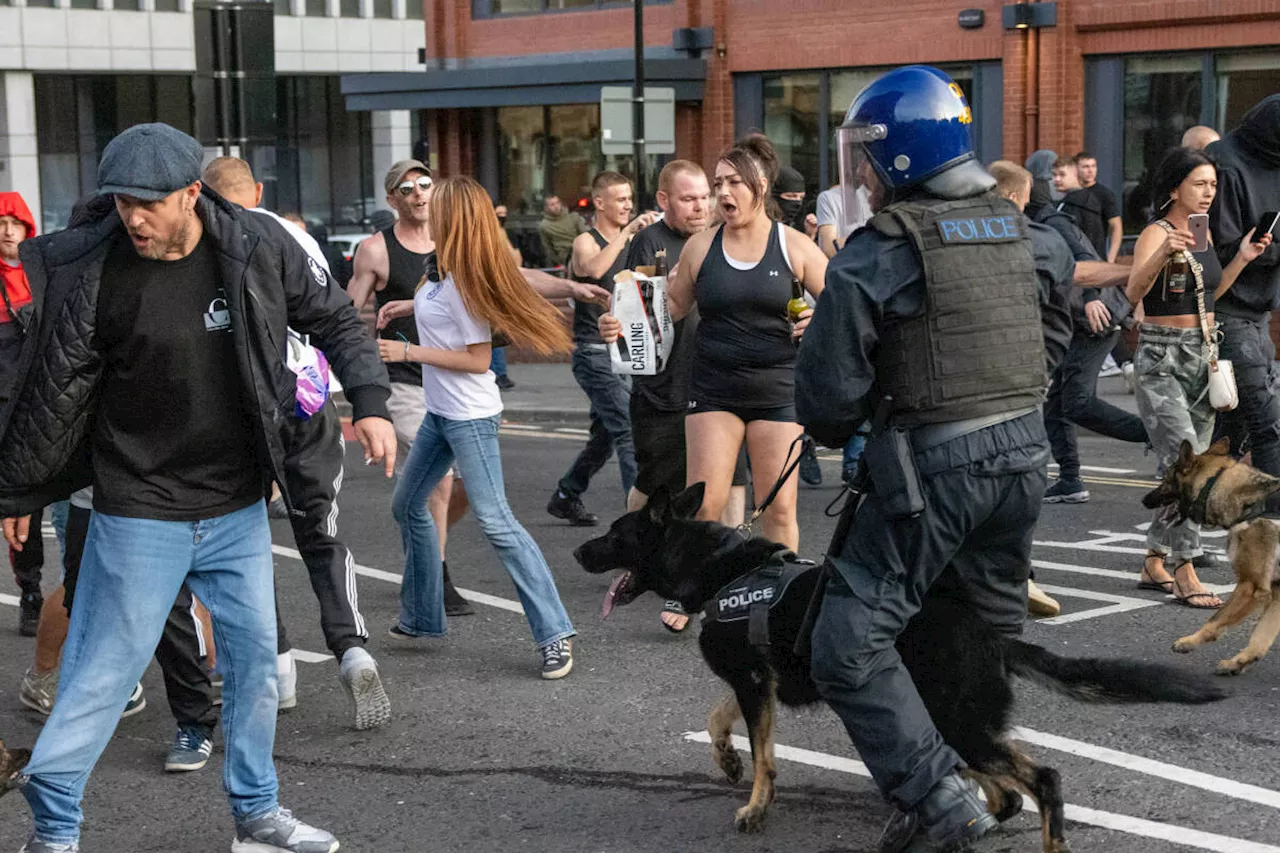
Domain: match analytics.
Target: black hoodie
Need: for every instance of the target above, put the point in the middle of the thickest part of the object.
(1248, 184)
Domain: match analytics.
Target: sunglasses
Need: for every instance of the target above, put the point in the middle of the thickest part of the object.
(423, 183)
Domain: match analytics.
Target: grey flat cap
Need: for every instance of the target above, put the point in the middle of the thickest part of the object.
(149, 161)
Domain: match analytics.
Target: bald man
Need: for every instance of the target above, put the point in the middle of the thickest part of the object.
(314, 450)
(1199, 137)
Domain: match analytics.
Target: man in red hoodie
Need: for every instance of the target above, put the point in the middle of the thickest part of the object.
(16, 225)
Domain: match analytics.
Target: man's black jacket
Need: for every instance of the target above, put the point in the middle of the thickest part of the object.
(46, 422)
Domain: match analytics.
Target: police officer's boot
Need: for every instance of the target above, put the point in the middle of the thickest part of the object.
(950, 817)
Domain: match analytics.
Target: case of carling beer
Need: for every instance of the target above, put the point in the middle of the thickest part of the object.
(648, 332)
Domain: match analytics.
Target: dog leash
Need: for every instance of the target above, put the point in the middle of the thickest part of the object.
(788, 468)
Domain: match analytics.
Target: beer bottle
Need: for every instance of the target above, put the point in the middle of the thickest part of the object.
(796, 304)
(1179, 272)
(660, 268)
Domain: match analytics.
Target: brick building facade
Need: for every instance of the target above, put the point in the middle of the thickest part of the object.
(511, 87)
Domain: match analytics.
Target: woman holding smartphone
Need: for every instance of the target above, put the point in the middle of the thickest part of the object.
(471, 285)
(1171, 275)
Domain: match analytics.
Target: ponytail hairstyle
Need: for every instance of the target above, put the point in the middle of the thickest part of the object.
(754, 158)
(470, 247)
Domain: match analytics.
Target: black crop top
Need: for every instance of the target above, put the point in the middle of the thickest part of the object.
(1162, 301)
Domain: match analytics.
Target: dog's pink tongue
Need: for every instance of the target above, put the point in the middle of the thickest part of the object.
(611, 597)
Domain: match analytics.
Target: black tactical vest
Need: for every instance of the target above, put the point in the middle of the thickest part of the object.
(977, 350)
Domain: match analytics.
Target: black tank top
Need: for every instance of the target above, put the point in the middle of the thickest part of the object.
(404, 271)
(744, 353)
(586, 314)
(1162, 301)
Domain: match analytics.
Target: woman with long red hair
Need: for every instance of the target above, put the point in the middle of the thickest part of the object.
(471, 286)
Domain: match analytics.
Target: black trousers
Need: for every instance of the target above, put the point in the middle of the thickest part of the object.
(28, 564)
(315, 450)
(1247, 343)
(1073, 400)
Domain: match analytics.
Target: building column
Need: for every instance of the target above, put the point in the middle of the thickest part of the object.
(392, 132)
(19, 164)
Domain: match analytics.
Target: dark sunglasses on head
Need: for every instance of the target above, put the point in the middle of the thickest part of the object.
(423, 183)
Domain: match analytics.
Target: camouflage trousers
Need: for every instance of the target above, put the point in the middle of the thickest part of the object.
(1172, 390)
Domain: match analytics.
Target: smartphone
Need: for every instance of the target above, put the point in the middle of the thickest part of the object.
(1267, 224)
(1198, 225)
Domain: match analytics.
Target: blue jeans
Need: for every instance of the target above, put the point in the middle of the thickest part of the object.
(129, 577)
(474, 446)
(498, 361)
(610, 414)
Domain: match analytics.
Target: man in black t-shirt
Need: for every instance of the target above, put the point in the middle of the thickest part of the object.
(1093, 206)
(168, 377)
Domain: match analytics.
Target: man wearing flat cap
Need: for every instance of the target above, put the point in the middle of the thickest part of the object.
(155, 371)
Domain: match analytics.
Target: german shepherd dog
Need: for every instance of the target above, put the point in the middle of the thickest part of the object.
(1212, 488)
(960, 664)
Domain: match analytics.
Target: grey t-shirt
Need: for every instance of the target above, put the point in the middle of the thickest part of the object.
(831, 212)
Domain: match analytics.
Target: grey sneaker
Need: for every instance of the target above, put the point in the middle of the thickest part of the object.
(359, 675)
(190, 751)
(557, 658)
(35, 845)
(38, 691)
(137, 702)
(281, 832)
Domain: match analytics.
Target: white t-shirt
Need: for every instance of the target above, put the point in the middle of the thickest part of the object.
(444, 323)
(304, 239)
(831, 212)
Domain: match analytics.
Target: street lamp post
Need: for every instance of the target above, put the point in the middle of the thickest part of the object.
(637, 107)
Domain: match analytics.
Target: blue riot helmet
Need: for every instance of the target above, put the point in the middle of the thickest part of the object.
(911, 126)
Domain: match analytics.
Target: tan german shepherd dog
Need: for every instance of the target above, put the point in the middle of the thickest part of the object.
(11, 763)
(1214, 489)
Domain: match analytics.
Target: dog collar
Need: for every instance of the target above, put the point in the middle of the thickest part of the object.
(1199, 506)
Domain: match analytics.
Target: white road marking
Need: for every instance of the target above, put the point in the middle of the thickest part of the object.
(1150, 767)
(1117, 574)
(1093, 817)
(309, 657)
(1099, 469)
(1142, 537)
(1118, 604)
(11, 600)
(389, 577)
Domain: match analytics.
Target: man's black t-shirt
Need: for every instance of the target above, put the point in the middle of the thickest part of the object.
(174, 438)
(667, 391)
(1092, 208)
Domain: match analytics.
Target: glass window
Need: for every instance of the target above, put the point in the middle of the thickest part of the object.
(283, 7)
(522, 157)
(59, 150)
(1161, 100)
(128, 5)
(42, 4)
(413, 9)
(1243, 79)
(84, 4)
(167, 6)
(349, 8)
(571, 4)
(792, 114)
(382, 8)
(515, 7)
(316, 8)
(574, 142)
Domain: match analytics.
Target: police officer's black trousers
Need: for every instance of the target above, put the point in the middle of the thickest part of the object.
(314, 453)
(28, 564)
(1247, 344)
(983, 494)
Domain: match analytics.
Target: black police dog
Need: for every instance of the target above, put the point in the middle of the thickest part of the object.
(961, 665)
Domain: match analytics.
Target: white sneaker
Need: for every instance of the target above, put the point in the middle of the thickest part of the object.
(288, 683)
(281, 832)
(1039, 603)
(359, 676)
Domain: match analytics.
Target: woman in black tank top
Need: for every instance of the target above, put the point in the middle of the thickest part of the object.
(739, 276)
(1171, 367)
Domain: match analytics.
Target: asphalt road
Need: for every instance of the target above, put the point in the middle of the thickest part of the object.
(484, 756)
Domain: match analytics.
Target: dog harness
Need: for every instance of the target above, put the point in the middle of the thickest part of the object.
(752, 595)
(1199, 506)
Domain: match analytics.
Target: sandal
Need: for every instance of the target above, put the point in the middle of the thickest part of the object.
(675, 609)
(1145, 581)
(1189, 599)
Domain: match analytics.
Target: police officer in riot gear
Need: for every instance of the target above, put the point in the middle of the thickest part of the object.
(931, 314)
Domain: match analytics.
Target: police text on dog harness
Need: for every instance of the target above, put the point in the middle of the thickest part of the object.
(751, 596)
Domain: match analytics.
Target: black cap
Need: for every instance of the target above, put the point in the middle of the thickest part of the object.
(789, 181)
(149, 161)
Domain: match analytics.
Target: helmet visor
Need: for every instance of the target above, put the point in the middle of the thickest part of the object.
(853, 162)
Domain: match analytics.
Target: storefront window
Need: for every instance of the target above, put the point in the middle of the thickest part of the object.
(1243, 79)
(574, 141)
(515, 7)
(792, 114)
(324, 155)
(1161, 100)
(522, 157)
